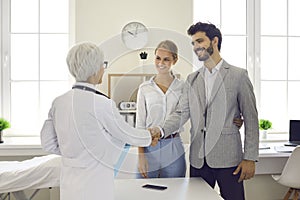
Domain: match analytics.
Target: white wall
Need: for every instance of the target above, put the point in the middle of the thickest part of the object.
(101, 22)
(98, 20)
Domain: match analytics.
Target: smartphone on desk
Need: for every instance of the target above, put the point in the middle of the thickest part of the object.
(290, 144)
(154, 187)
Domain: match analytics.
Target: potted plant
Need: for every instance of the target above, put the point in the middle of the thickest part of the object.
(264, 125)
(3, 125)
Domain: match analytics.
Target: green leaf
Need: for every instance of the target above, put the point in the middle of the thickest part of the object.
(4, 124)
(264, 124)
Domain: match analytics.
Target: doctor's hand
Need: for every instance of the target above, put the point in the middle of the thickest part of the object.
(155, 134)
(247, 168)
(143, 165)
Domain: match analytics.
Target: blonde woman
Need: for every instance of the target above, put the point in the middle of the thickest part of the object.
(157, 98)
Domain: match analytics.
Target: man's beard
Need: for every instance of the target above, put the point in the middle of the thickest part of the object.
(208, 52)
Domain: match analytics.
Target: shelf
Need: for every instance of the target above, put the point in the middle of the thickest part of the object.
(127, 111)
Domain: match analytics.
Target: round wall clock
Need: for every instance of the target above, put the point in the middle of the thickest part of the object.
(135, 35)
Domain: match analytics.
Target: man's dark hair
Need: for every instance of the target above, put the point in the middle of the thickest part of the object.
(210, 30)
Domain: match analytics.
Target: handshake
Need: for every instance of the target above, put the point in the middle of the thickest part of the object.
(155, 134)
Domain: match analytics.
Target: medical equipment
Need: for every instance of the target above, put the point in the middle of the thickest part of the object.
(36, 173)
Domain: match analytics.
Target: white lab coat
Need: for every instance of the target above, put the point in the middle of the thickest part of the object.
(88, 131)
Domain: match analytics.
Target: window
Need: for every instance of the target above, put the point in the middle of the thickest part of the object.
(280, 73)
(35, 41)
(265, 41)
(232, 25)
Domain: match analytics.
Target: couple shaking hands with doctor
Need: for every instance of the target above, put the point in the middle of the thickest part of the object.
(86, 129)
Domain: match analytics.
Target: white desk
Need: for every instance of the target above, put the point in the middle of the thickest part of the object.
(270, 160)
(21, 146)
(178, 189)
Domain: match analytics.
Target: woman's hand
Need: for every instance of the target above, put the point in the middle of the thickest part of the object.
(238, 122)
(143, 165)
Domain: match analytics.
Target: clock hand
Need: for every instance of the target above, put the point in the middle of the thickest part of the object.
(136, 29)
(131, 33)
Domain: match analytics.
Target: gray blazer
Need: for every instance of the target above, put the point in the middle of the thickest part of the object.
(220, 144)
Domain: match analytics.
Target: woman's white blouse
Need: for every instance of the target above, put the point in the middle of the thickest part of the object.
(153, 106)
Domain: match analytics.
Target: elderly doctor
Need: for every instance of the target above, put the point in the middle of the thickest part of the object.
(86, 129)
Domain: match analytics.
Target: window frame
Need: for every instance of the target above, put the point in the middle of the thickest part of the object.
(5, 61)
(5, 51)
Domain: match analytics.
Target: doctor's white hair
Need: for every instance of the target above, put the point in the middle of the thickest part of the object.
(84, 60)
